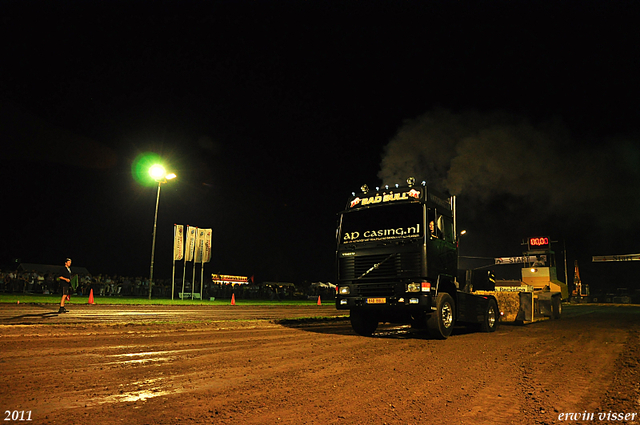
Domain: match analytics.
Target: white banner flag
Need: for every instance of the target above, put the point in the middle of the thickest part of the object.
(201, 240)
(178, 242)
(191, 243)
(206, 255)
(203, 246)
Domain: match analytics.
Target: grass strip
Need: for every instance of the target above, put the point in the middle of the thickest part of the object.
(76, 299)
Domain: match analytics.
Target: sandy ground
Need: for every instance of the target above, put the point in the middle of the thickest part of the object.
(245, 365)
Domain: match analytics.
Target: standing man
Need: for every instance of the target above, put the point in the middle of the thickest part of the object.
(65, 283)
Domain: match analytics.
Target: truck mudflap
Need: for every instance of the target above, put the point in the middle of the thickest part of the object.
(524, 307)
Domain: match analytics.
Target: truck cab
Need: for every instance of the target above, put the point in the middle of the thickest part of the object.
(397, 262)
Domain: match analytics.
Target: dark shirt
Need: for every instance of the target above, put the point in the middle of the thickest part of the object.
(65, 272)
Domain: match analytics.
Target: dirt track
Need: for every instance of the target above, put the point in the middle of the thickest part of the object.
(262, 372)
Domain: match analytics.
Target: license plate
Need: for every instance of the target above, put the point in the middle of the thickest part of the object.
(376, 300)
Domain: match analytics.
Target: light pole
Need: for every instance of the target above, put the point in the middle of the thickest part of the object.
(159, 174)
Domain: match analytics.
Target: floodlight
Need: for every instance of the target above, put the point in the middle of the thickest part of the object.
(157, 171)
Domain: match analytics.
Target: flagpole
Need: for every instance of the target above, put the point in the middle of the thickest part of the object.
(193, 278)
(173, 280)
(173, 256)
(202, 272)
(184, 275)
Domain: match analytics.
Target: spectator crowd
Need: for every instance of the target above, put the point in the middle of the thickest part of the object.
(33, 282)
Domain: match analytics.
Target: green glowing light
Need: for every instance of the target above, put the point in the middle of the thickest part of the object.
(142, 166)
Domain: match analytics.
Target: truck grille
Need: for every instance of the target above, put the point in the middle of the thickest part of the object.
(375, 289)
(402, 264)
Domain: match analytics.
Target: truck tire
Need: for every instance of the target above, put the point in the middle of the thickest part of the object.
(556, 308)
(441, 321)
(491, 318)
(362, 323)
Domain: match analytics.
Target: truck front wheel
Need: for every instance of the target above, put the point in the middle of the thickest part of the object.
(441, 321)
(362, 323)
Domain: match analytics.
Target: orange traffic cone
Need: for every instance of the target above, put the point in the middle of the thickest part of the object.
(233, 299)
(91, 297)
(319, 302)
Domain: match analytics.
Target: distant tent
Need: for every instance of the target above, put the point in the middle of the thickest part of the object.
(48, 268)
(323, 285)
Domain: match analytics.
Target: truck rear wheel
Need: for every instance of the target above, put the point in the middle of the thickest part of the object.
(363, 323)
(556, 307)
(491, 317)
(441, 321)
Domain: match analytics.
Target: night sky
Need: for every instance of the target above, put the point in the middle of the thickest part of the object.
(272, 113)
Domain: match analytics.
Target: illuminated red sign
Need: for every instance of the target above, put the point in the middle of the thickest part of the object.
(539, 242)
(414, 193)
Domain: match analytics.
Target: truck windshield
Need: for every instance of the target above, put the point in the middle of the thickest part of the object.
(382, 223)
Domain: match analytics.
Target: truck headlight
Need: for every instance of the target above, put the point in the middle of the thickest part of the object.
(413, 287)
(344, 290)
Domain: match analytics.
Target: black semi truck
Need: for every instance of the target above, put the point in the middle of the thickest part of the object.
(397, 262)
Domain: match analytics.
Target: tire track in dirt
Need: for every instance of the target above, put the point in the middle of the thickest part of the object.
(572, 367)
